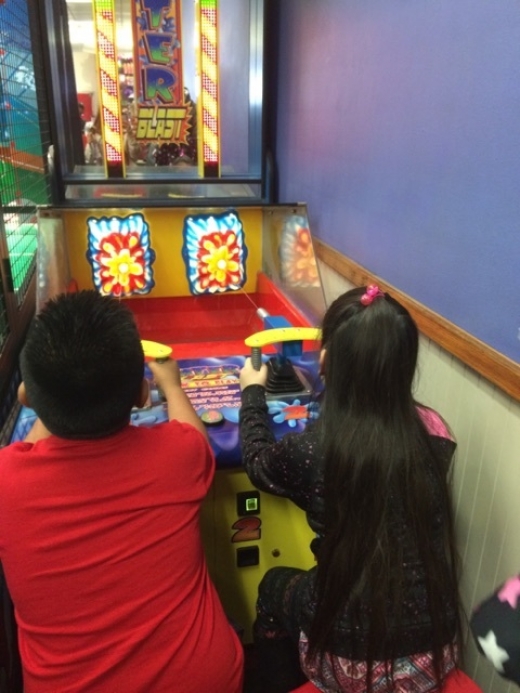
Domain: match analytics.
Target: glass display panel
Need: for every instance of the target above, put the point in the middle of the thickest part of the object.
(289, 259)
(169, 96)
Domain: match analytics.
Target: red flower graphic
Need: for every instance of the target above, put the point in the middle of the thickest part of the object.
(218, 260)
(122, 264)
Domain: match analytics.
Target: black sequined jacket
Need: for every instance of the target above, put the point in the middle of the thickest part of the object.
(293, 468)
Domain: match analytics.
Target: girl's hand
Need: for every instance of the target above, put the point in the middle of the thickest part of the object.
(250, 376)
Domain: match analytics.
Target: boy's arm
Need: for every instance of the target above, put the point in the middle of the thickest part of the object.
(168, 378)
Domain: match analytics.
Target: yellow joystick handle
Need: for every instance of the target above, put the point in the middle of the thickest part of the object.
(283, 334)
(278, 334)
(154, 350)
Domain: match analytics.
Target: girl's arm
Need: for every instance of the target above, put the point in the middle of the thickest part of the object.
(286, 467)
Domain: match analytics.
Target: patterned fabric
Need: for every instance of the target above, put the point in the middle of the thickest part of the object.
(412, 674)
(495, 624)
(282, 597)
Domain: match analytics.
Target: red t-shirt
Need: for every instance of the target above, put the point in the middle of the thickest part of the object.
(101, 549)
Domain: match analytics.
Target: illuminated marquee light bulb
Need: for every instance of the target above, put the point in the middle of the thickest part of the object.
(110, 103)
(209, 119)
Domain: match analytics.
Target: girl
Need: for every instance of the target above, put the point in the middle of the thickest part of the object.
(380, 611)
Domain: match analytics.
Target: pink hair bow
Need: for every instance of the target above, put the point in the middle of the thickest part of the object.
(371, 293)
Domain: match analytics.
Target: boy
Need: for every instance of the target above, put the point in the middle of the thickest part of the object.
(99, 536)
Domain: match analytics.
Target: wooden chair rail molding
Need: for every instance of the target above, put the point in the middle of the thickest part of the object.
(491, 364)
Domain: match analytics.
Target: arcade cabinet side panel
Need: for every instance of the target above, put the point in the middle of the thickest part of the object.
(289, 259)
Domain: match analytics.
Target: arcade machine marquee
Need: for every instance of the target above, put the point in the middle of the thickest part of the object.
(216, 285)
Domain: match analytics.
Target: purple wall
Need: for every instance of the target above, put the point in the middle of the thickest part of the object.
(399, 124)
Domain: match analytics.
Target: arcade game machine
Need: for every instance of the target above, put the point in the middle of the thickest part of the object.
(175, 219)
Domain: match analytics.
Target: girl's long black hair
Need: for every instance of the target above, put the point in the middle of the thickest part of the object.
(380, 464)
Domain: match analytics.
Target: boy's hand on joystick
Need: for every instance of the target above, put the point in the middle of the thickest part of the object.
(167, 377)
(166, 373)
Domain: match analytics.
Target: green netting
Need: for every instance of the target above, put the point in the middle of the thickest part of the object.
(4, 325)
(23, 180)
(21, 242)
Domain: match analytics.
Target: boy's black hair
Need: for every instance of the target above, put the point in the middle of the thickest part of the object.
(83, 365)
